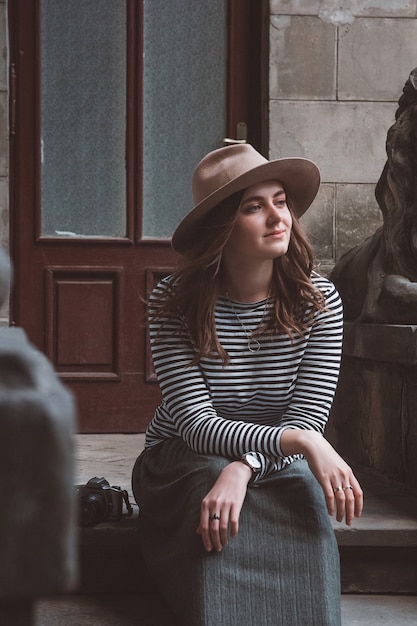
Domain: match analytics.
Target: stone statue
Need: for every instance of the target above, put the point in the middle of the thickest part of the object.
(378, 278)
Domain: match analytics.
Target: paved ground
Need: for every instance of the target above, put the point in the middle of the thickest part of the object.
(122, 610)
(113, 456)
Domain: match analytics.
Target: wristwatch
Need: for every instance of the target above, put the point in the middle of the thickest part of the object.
(251, 460)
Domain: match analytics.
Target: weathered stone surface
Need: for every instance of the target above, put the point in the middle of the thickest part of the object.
(366, 68)
(340, 136)
(339, 10)
(290, 77)
(373, 415)
(37, 523)
(319, 223)
(357, 215)
(388, 343)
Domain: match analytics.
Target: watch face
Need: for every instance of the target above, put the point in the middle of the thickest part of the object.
(252, 461)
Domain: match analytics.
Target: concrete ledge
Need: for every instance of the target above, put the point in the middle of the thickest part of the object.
(378, 570)
(378, 553)
(389, 519)
(128, 610)
(381, 342)
(110, 558)
(373, 420)
(122, 532)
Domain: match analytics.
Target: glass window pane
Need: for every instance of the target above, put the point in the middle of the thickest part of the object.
(83, 118)
(184, 102)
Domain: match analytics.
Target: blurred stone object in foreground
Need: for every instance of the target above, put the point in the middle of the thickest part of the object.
(38, 516)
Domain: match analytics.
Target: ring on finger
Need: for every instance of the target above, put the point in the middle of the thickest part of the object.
(338, 489)
(214, 517)
(348, 487)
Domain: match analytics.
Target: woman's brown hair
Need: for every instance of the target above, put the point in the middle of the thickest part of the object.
(195, 284)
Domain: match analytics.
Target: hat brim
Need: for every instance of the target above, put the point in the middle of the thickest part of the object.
(300, 178)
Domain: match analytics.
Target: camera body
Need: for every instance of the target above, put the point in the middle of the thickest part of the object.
(99, 502)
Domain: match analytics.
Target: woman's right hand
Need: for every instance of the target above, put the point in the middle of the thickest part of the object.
(220, 508)
(341, 489)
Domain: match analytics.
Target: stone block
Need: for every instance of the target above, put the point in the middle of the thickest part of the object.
(385, 343)
(306, 71)
(343, 10)
(38, 517)
(294, 7)
(374, 408)
(376, 57)
(346, 139)
(318, 222)
(358, 216)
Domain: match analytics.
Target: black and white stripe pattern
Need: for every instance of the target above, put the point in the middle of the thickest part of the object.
(246, 405)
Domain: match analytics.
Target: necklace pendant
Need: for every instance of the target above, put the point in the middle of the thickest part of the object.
(254, 345)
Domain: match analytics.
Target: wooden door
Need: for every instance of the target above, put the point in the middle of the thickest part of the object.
(103, 143)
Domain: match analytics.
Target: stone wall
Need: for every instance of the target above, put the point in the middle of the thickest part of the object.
(4, 148)
(337, 69)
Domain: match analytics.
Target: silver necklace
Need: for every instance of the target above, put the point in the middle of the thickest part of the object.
(253, 343)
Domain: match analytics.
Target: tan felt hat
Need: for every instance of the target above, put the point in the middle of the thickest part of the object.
(225, 171)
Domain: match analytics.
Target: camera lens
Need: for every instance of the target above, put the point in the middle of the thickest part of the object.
(93, 509)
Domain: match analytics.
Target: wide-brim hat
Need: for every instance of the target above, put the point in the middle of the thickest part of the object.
(228, 170)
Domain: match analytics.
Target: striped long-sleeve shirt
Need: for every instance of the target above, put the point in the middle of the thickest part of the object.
(245, 405)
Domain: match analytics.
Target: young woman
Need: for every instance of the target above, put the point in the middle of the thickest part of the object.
(236, 482)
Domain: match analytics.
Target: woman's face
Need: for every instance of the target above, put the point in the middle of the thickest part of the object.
(262, 228)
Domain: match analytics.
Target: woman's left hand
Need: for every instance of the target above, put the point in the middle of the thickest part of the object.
(220, 508)
(341, 488)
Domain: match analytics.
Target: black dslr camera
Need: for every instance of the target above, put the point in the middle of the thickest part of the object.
(99, 502)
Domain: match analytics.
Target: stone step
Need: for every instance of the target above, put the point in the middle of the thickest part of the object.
(146, 610)
(378, 555)
(378, 552)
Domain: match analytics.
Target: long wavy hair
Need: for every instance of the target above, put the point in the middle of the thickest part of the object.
(194, 287)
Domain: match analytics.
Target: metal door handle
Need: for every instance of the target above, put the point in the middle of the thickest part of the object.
(241, 134)
(229, 141)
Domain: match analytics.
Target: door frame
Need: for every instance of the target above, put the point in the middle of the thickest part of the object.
(248, 73)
